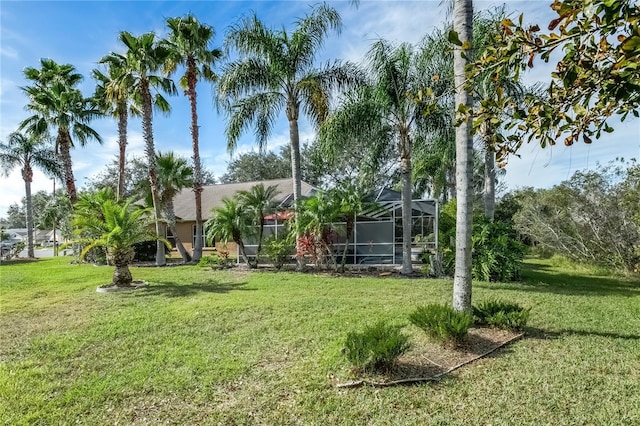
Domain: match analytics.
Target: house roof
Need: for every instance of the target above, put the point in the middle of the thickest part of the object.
(212, 196)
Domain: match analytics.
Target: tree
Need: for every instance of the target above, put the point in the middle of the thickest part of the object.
(116, 227)
(16, 216)
(188, 44)
(229, 223)
(462, 37)
(256, 166)
(276, 72)
(144, 58)
(382, 113)
(56, 103)
(113, 92)
(597, 77)
(258, 201)
(27, 152)
(174, 174)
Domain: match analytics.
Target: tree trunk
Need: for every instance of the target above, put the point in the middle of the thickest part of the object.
(349, 231)
(294, 136)
(122, 275)
(489, 173)
(243, 252)
(192, 80)
(27, 175)
(260, 237)
(462, 24)
(405, 171)
(147, 133)
(122, 145)
(171, 222)
(64, 146)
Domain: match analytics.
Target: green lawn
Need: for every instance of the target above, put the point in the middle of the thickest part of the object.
(204, 347)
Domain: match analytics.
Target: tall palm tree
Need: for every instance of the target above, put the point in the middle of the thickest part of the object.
(113, 92)
(188, 43)
(385, 113)
(57, 104)
(174, 174)
(117, 227)
(275, 72)
(259, 202)
(230, 223)
(27, 152)
(145, 58)
(462, 25)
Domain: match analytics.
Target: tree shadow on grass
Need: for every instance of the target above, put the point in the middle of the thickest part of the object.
(173, 289)
(541, 278)
(542, 334)
(17, 262)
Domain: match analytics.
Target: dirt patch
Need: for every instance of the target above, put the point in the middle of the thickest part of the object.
(430, 361)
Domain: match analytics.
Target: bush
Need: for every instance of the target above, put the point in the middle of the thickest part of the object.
(501, 314)
(218, 260)
(146, 251)
(279, 249)
(442, 323)
(376, 348)
(497, 252)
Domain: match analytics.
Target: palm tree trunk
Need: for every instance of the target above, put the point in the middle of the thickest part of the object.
(489, 173)
(122, 145)
(64, 145)
(294, 135)
(171, 222)
(349, 231)
(197, 164)
(122, 274)
(462, 24)
(260, 237)
(27, 175)
(243, 252)
(405, 172)
(147, 133)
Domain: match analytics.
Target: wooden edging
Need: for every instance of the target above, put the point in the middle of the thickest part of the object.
(437, 377)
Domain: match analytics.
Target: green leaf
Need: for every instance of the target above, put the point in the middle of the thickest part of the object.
(454, 38)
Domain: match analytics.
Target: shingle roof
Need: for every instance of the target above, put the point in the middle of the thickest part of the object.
(212, 195)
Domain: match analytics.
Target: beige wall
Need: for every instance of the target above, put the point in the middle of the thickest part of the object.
(185, 233)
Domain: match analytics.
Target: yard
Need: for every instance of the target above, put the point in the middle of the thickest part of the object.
(237, 347)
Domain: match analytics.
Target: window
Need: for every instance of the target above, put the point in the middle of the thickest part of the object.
(203, 236)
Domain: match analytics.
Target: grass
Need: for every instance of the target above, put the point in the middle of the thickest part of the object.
(205, 347)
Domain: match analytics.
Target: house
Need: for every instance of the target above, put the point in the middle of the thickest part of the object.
(212, 196)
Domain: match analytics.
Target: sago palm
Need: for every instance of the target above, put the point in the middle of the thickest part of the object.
(28, 152)
(188, 44)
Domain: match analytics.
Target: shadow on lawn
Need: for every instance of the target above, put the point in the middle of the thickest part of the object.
(541, 278)
(538, 333)
(172, 289)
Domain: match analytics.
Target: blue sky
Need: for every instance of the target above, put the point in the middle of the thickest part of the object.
(81, 32)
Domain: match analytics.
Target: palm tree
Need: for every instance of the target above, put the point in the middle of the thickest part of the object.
(229, 223)
(174, 174)
(117, 228)
(26, 152)
(462, 25)
(276, 72)
(385, 114)
(259, 202)
(188, 43)
(144, 58)
(56, 103)
(113, 91)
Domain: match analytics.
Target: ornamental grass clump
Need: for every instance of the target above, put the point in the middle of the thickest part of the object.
(442, 323)
(501, 314)
(377, 348)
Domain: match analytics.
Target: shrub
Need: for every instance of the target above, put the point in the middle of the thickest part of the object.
(376, 348)
(442, 323)
(146, 251)
(218, 260)
(501, 314)
(497, 252)
(279, 249)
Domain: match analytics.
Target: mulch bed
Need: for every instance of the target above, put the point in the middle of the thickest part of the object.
(429, 362)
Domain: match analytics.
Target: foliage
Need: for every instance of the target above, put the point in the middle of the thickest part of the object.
(596, 77)
(376, 348)
(256, 166)
(279, 249)
(230, 223)
(442, 323)
(145, 251)
(590, 218)
(218, 260)
(258, 201)
(501, 314)
(497, 252)
(316, 216)
(13, 251)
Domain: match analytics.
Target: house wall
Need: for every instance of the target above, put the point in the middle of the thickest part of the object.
(185, 233)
